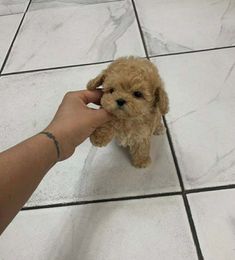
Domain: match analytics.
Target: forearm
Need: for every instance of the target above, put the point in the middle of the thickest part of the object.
(21, 170)
(23, 166)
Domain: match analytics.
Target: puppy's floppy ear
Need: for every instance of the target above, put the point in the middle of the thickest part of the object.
(162, 99)
(96, 82)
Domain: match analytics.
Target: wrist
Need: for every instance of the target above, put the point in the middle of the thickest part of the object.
(55, 141)
(63, 140)
(46, 149)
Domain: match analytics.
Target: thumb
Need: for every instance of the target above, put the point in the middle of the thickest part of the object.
(101, 116)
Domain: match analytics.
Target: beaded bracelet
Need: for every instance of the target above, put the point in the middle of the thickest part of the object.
(51, 136)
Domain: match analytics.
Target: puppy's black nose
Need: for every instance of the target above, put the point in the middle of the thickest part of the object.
(120, 102)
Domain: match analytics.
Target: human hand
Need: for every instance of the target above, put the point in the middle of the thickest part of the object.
(74, 121)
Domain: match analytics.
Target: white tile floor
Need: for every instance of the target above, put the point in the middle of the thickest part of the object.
(200, 83)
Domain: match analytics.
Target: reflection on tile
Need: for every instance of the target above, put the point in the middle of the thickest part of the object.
(214, 217)
(91, 173)
(9, 7)
(201, 118)
(110, 30)
(108, 172)
(179, 26)
(133, 230)
(42, 4)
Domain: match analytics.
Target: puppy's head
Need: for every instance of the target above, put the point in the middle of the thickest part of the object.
(132, 88)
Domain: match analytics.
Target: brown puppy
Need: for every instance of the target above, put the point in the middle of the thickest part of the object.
(134, 94)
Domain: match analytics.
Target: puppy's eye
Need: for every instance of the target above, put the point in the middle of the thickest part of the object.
(138, 94)
(111, 90)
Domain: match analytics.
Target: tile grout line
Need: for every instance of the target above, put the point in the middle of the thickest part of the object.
(140, 30)
(54, 68)
(147, 196)
(103, 62)
(13, 41)
(184, 195)
(213, 188)
(183, 192)
(74, 203)
(195, 51)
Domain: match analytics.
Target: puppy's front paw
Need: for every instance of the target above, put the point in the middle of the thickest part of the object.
(160, 130)
(141, 162)
(101, 136)
(98, 140)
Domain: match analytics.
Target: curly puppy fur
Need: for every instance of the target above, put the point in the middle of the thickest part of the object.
(135, 96)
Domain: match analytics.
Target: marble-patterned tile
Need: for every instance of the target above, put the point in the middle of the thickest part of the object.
(181, 26)
(201, 118)
(51, 4)
(28, 103)
(11, 12)
(214, 218)
(134, 230)
(9, 25)
(64, 33)
(11, 7)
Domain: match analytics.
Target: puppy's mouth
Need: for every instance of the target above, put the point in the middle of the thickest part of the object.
(118, 107)
(121, 112)
(118, 111)
(124, 113)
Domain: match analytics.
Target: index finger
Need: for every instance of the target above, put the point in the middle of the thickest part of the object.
(88, 96)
